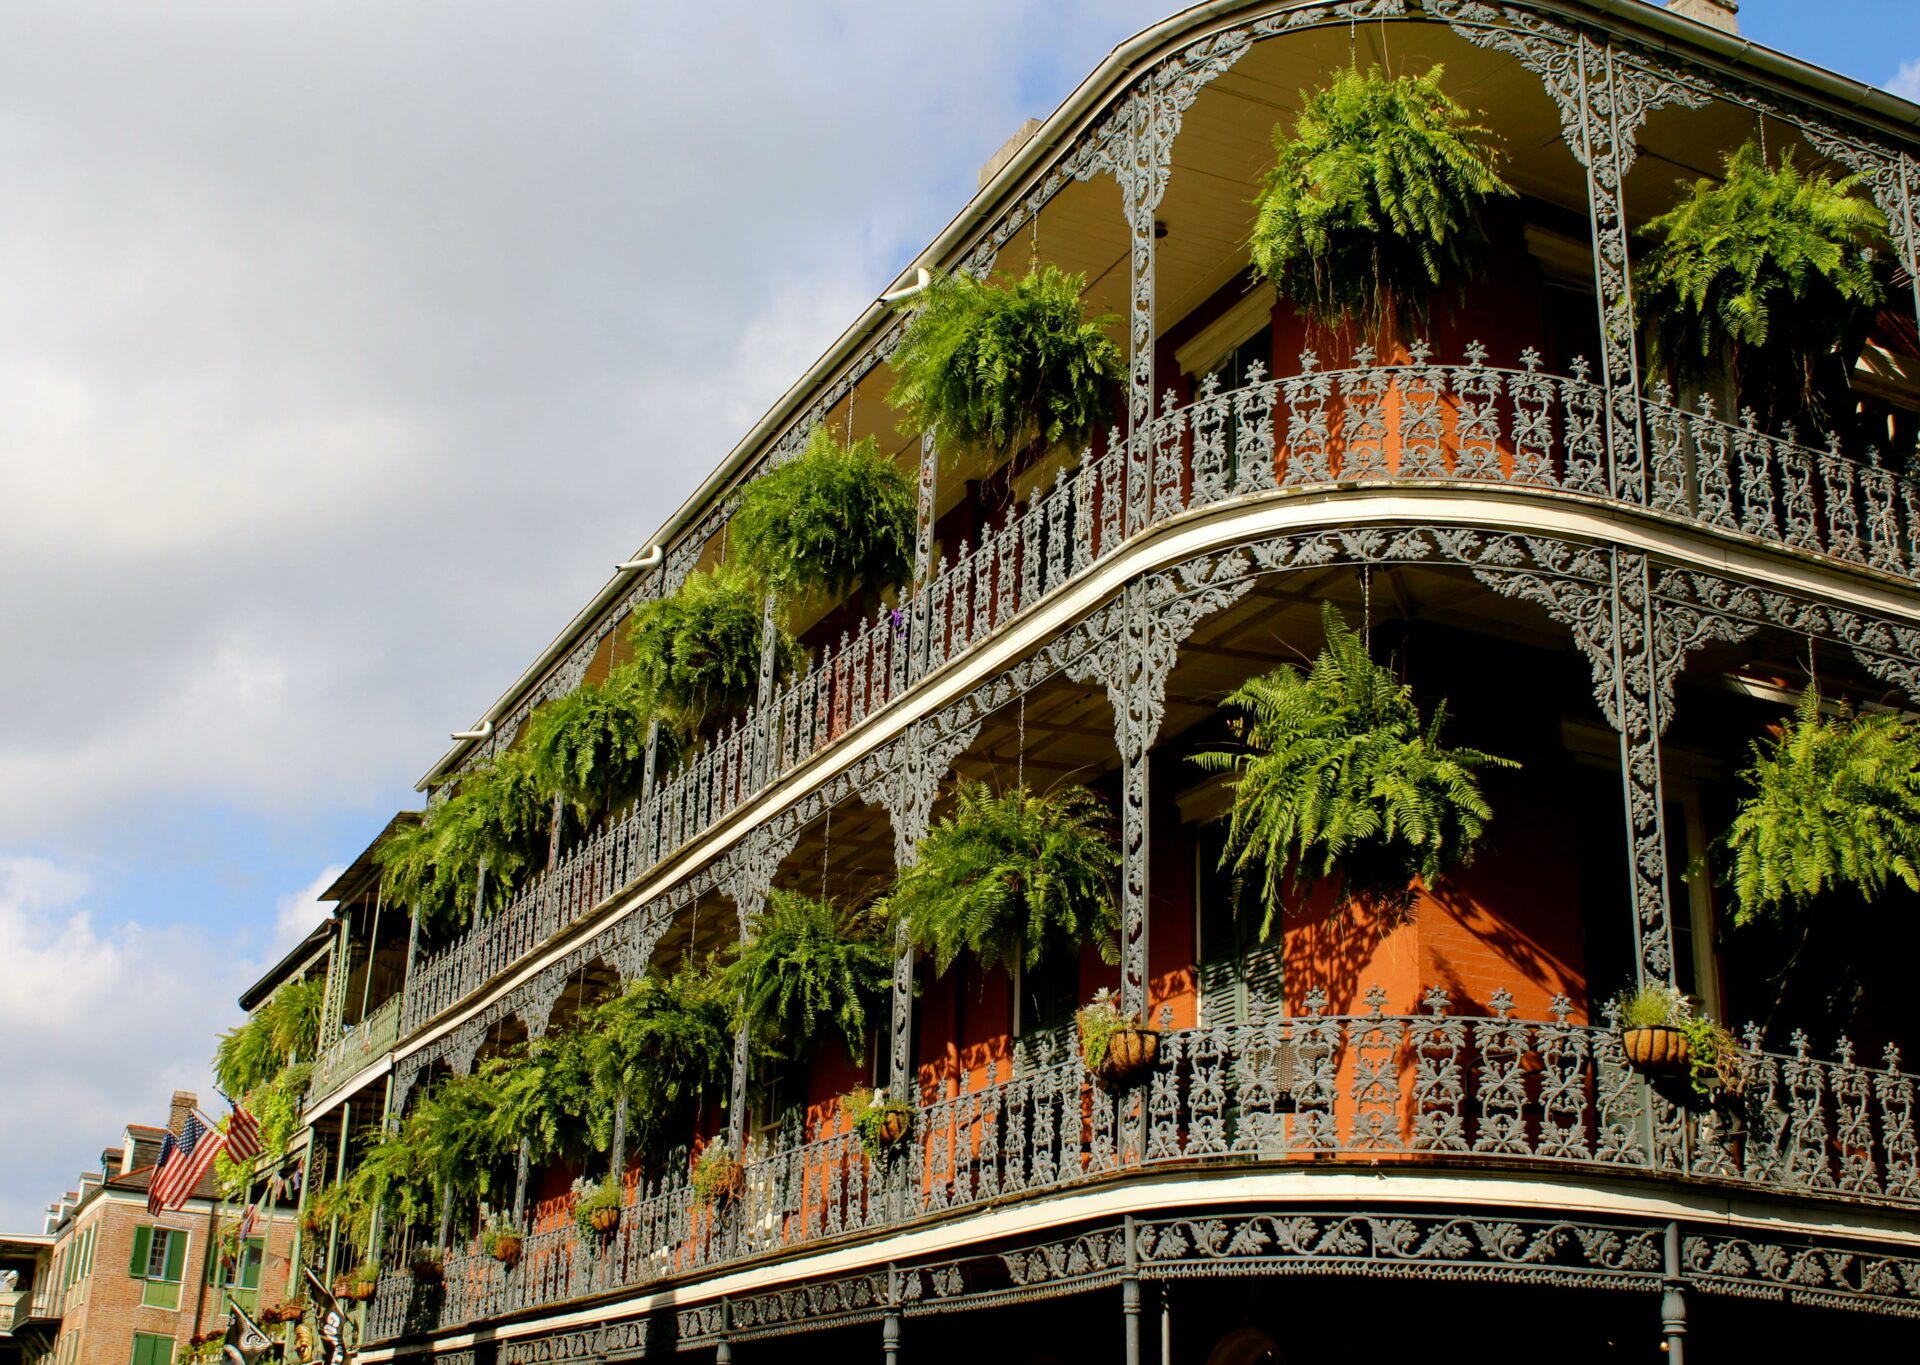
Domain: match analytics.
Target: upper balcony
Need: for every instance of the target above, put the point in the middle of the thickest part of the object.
(1529, 397)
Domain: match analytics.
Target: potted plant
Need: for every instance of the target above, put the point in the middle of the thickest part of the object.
(832, 517)
(808, 964)
(1338, 777)
(1663, 1036)
(426, 1267)
(312, 1220)
(1834, 801)
(654, 1052)
(590, 746)
(1005, 873)
(1118, 1048)
(1774, 271)
(1374, 200)
(499, 818)
(1651, 1032)
(597, 1209)
(993, 368)
(696, 654)
(501, 1240)
(880, 1121)
(719, 1177)
(364, 1281)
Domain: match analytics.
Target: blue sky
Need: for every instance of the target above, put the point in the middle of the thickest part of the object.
(320, 315)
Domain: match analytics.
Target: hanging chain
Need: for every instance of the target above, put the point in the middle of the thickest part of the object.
(1366, 607)
(1020, 753)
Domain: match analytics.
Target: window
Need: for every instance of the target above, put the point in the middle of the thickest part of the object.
(1239, 975)
(150, 1348)
(160, 1258)
(1045, 997)
(240, 1277)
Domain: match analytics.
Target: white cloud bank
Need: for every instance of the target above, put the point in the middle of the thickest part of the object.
(1906, 82)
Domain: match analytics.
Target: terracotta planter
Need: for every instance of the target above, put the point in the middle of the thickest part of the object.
(1131, 1052)
(342, 1287)
(362, 1290)
(1661, 1050)
(727, 1185)
(605, 1220)
(892, 1127)
(506, 1250)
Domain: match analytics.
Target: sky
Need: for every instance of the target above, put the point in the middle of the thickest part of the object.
(346, 347)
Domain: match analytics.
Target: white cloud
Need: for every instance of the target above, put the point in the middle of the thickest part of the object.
(1906, 82)
(99, 1025)
(298, 912)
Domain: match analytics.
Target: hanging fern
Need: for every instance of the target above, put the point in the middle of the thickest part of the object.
(662, 1043)
(1005, 875)
(828, 519)
(1782, 268)
(991, 367)
(696, 654)
(544, 1096)
(590, 746)
(283, 1030)
(499, 818)
(809, 962)
(1832, 802)
(1374, 201)
(458, 1138)
(1339, 779)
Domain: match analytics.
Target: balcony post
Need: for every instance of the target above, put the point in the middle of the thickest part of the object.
(1673, 1298)
(333, 1006)
(918, 622)
(522, 1160)
(1130, 1296)
(890, 1324)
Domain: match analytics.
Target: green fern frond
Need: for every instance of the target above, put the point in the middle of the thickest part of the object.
(808, 963)
(991, 367)
(1374, 200)
(661, 1043)
(1778, 265)
(696, 654)
(590, 746)
(1832, 802)
(1338, 779)
(832, 517)
(1005, 875)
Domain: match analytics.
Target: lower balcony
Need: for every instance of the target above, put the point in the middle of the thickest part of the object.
(1550, 1101)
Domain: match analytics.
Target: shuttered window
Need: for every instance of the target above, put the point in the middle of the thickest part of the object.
(160, 1258)
(150, 1348)
(1240, 977)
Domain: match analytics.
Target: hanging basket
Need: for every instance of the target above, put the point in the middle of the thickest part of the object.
(428, 1272)
(506, 1248)
(892, 1126)
(605, 1220)
(1656, 1050)
(1132, 1050)
(720, 1183)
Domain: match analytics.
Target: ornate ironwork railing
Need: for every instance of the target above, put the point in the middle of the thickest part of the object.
(358, 1047)
(1399, 1092)
(1407, 424)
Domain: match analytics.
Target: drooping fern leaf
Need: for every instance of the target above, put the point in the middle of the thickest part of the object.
(696, 654)
(1004, 876)
(544, 1096)
(498, 818)
(990, 367)
(832, 517)
(1338, 779)
(1832, 802)
(663, 1042)
(1782, 268)
(808, 963)
(590, 746)
(282, 1031)
(1374, 200)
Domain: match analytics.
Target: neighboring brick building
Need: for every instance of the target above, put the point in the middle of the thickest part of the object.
(132, 1289)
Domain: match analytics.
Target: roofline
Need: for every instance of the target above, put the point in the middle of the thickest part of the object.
(312, 946)
(1664, 29)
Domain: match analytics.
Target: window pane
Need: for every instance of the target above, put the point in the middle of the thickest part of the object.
(157, 1253)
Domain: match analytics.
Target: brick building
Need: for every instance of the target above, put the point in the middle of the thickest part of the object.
(129, 1288)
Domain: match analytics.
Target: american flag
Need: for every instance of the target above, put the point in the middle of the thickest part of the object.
(243, 1135)
(183, 1160)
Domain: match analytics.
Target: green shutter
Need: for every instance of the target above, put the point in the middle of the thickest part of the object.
(256, 1252)
(176, 1257)
(142, 1248)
